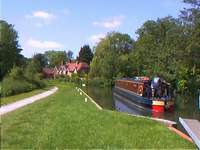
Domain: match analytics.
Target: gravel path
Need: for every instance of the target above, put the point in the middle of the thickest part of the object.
(13, 106)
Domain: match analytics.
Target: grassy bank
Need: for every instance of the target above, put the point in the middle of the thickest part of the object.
(64, 120)
(14, 98)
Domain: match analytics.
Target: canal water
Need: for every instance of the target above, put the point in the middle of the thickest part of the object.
(185, 106)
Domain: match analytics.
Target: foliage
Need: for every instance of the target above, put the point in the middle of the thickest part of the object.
(156, 51)
(62, 78)
(22, 80)
(9, 48)
(70, 54)
(75, 78)
(163, 44)
(101, 82)
(56, 57)
(85, 54)
(111, 57)
(33, 76)
(17, 73)
(40, 61)
(11, 87)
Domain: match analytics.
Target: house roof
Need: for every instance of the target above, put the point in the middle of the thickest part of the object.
(82, 65)
(71, 66)
(78, 66)
(48, 70)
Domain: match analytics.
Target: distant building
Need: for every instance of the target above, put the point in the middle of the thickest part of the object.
(71, 67)
(48, 72)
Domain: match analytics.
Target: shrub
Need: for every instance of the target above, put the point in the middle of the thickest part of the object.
(11, 86)
(0, 90)
(16, 73)
(63, 78)
(75, 78)
(18, 82)
(101, 82)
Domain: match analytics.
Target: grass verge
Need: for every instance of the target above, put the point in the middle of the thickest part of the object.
(64, 120)
(17, 97)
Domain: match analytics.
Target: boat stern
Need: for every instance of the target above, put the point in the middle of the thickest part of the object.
(161, 105)
(158, 106)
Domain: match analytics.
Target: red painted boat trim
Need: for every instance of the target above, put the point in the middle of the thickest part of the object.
(156, 108)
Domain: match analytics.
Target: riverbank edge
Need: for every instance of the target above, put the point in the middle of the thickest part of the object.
(171, 125)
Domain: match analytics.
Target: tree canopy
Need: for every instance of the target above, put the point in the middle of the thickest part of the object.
(70, 54)
(9, 48)
(85, 54)
(55, 58)
(40, 61)
(111, 57)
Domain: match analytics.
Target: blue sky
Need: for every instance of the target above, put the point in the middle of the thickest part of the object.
(69, 24)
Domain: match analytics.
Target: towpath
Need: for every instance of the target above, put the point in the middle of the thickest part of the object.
(13, 106)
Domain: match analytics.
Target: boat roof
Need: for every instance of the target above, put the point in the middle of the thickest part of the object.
(142, 79)
(136, 79)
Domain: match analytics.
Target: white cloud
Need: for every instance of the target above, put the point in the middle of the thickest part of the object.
(94, 39)
(43, 44)
(110, 23)
(41, 18)
(41, 15)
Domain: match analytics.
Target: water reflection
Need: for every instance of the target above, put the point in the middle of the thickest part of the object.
(185, 106)
(103, 96)
(125, 105)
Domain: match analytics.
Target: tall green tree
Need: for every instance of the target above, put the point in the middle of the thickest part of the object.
(111, 57)
(85, 54)
(70, 54)
(55, 58)
(191, 19)
(159, 47)
(40, 61)
(9, 48)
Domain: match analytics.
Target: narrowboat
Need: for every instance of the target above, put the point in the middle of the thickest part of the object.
(154, 93)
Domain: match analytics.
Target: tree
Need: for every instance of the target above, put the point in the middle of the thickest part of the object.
(159, 47)
(56, 57)
(9, 48)
(70, 54)
(111, 57)
(191, 19)
(85, 54)
(170, 48)
(40, 61)
(191, 15)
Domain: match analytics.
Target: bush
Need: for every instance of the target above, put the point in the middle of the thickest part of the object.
(11, 87)
(16, 73)
(100, 82)
(18, 82)
(0, 89)
(63, 78)
(75, 78)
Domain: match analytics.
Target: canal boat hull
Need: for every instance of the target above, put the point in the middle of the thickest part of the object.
(156, 105)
